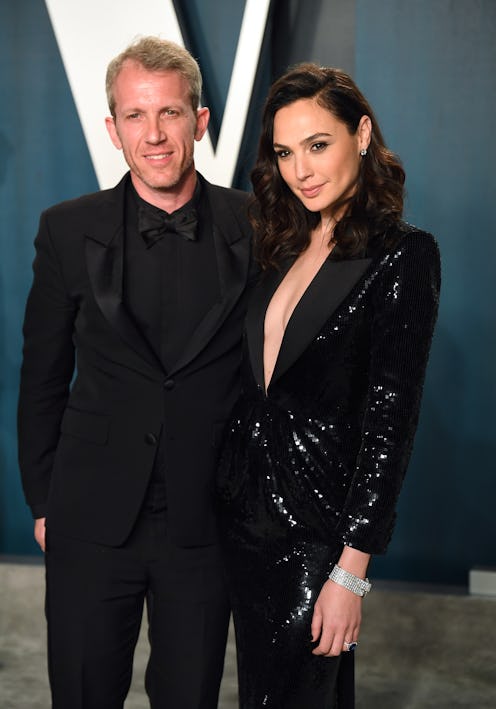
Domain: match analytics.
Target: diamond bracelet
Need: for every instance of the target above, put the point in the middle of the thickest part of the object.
(353, 583)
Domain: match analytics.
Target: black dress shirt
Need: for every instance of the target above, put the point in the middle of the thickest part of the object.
(168, 288)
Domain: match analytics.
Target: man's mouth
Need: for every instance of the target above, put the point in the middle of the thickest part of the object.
(160, 156)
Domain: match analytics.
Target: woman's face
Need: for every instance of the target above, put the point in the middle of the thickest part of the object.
(317, 157)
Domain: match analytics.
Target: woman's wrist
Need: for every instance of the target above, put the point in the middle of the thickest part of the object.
(354, 561)
(355, 584)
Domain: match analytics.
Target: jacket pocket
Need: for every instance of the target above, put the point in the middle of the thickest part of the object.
(93, 428)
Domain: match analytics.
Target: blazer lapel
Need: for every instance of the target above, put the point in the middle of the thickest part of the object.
(326, 292)
(233, 261)
(333, 282)
(105, 264)
(255, 318)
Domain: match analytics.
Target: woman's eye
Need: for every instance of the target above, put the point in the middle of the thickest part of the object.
(281, 154)
(317, 147)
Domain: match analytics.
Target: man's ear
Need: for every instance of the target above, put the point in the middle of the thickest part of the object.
(112, 131)
(202, 119)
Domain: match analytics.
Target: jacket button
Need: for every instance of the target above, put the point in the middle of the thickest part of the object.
(151, 439)
(169, 384)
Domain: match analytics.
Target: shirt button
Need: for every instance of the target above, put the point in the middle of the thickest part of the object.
(151, 439)
(169, 384)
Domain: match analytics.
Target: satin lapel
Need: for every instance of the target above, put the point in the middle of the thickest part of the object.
(105, 263)
(255, 318)
(233, 260)
(326, 292)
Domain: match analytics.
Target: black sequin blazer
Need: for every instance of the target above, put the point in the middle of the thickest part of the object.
(323, 454)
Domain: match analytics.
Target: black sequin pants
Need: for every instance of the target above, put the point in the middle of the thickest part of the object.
(274, 588)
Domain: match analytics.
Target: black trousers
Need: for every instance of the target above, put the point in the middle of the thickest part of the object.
(94, 604)
(274, 586)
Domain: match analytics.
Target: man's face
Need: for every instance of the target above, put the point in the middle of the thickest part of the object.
(155, 126)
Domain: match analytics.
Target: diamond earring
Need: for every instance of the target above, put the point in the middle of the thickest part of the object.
(363, 152)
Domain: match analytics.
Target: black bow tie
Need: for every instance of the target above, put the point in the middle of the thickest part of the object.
(152, 224)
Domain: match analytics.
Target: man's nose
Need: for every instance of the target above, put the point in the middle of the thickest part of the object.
(155, 130)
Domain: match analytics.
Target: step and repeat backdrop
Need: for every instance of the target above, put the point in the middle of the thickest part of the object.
(428, 69)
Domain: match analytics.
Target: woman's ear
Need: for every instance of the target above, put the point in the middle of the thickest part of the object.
(364, 132)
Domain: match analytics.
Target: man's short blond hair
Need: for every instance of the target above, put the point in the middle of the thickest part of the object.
(155, 54)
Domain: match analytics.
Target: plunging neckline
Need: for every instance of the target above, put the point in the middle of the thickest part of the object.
(290, 318)
(324, 295)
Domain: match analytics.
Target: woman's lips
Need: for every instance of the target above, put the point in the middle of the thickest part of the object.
(311, 191)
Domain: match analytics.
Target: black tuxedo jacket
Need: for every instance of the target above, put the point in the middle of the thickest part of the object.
(94, 398)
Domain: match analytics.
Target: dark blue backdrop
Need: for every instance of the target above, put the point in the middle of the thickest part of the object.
(428, 69)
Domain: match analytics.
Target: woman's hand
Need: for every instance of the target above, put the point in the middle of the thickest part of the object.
(337, 614)
(336, 619)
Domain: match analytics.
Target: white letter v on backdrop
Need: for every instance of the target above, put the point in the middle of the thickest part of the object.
(90, 33)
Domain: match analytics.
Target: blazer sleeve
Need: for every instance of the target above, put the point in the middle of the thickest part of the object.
(46, 372)
(404, 315)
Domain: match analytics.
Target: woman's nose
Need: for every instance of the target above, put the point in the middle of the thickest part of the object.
(303, 168)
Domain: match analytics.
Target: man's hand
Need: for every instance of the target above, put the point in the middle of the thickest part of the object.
(39, 532)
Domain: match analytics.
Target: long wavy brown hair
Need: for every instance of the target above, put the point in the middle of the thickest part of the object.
(281, 223)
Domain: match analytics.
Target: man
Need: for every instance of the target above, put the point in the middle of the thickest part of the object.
(118, 453)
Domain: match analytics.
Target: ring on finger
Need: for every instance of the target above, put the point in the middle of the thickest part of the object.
(350, 647)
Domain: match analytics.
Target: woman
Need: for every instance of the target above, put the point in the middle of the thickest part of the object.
(337, 340)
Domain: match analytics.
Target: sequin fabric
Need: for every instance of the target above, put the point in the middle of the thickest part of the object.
(318, 461)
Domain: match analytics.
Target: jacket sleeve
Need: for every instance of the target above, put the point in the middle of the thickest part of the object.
(404, 315)
(46, 372)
